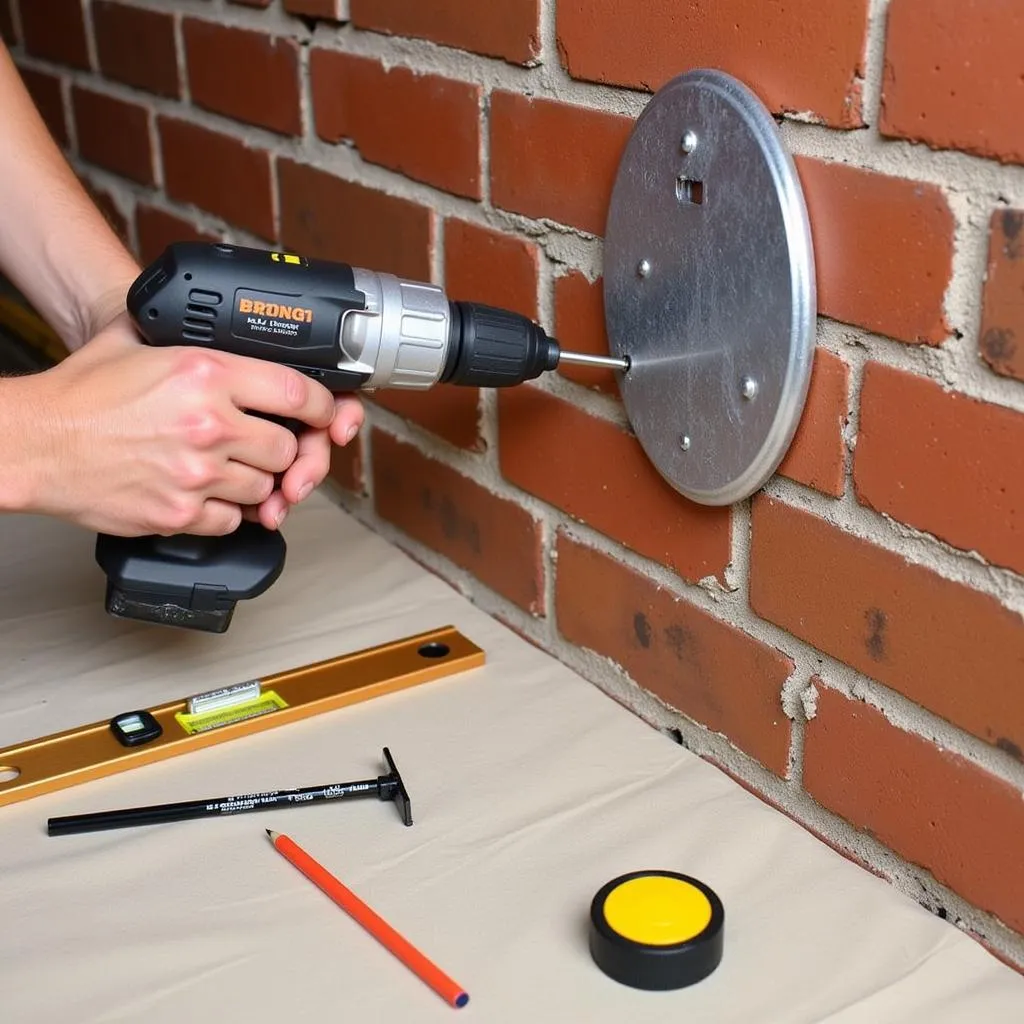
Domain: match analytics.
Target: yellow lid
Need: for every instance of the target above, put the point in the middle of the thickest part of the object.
(657, 911)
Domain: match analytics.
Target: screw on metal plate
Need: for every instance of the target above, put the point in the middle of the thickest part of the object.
(723, 335)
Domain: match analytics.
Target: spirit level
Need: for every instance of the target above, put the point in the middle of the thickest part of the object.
(137, 737)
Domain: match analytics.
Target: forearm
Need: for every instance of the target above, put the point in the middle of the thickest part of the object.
(55, 245)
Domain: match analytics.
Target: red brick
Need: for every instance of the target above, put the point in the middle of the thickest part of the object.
(932, 806)
(113, 134)
(695, 663)
(490, 267)
(7, 29)
(45, 91)
(510, 29)
(423, 126)
(495, 539)
(450, 411)
(137, 47)
(613, 41)
(250, 76)
(156, 229)
(883, 249)
(817, 455)
(232, 180)
(580, 326)
(949, 648)
(333, 219)
(944, 463)
(55, 30)
(953, 76)
(598, 474)
(555, 161)
(329, 10)
(347, 467)
(1001, 332)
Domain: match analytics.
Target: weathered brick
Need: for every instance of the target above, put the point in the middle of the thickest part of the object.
(952, 75)
(598, 474)
(156, 229)
(1001, 334)
(510, 29)
(423, 126)
(262, 87)
(699, 665)
(231, 181)
(951, 649)
(55, 30)
(45, 90)
(580, 327)
(331, 218)
(137, 47)
(817, 455)
(113, 134)
(944, 463)
(495, 539)
(928, 804)
(554, 160)
(490, 267)
(612, 41)
(450, 411)
(8, 32)
(883, 249)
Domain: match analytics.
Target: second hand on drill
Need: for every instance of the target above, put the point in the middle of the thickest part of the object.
(583, 359)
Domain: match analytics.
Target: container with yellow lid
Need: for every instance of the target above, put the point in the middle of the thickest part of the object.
(656, 930)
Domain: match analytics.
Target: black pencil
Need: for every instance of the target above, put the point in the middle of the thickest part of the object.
(157, 814)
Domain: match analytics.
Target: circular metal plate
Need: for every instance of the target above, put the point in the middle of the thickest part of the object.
(709, 288)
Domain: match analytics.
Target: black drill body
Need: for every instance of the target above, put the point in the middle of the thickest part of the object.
(348, 328)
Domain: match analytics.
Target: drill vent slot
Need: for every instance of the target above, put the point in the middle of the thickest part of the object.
(201, 312)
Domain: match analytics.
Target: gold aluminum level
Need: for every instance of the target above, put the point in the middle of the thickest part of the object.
(92, 751)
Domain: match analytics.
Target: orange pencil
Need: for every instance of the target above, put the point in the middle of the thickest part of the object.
(428, 972)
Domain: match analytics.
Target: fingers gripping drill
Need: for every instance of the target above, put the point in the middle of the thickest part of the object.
(350, 329)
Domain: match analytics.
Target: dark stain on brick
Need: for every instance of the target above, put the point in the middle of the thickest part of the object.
(877, 622)
(999, 345)
(642, 629)
(1011, 748)
(1013, 221)
(681, 641)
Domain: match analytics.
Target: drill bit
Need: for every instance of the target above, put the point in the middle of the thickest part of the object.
(584, 359)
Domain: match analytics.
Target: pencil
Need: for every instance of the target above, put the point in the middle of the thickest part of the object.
(449, 990)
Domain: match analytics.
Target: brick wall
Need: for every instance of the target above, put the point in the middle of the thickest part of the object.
(849, 644)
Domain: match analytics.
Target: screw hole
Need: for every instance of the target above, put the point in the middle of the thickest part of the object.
(188, 277)
(8, 774)
(434, 650)
(152, 314)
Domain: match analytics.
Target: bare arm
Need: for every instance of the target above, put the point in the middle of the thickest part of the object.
(120, 437)
(55, 245)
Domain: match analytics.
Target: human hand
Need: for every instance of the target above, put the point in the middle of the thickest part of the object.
(130, 440)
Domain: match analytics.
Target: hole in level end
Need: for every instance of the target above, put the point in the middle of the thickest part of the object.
(8, 774)
(434, 650)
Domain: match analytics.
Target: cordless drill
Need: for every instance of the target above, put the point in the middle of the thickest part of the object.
(348, 328)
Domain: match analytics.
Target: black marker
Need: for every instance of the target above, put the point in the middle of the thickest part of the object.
(386, 787)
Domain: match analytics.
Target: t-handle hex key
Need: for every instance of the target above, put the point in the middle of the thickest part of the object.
(386, 787)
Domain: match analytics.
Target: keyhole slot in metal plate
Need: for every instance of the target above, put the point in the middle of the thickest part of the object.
(719, 330)
(8, 773)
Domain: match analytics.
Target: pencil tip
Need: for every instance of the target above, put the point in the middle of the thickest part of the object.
(273, 835)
